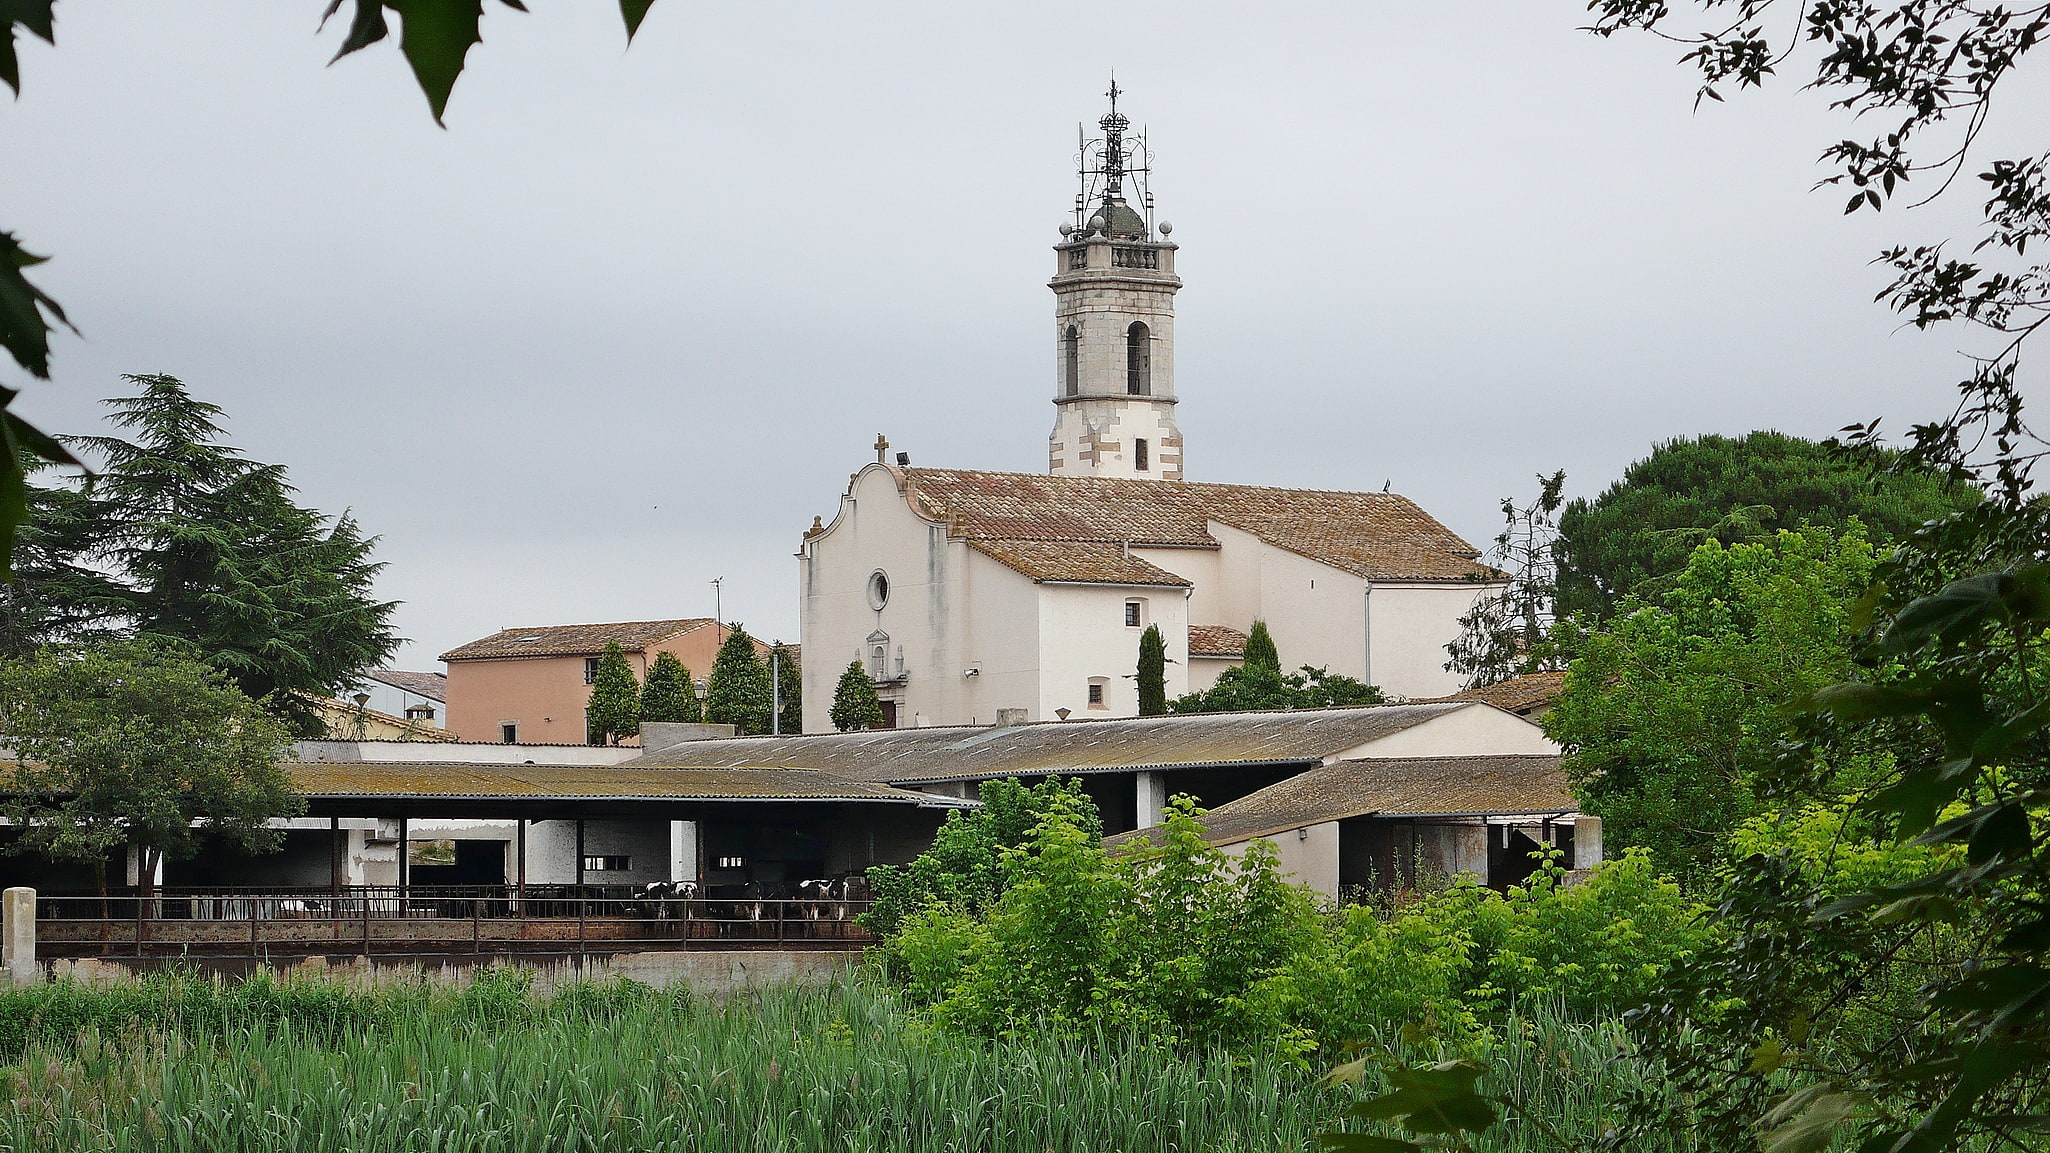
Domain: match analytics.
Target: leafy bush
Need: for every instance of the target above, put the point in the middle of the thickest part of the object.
(962, 869)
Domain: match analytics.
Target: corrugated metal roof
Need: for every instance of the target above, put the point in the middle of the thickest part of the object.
(556, 782)
(1061, 747)
(1392, 787)
(433, 686)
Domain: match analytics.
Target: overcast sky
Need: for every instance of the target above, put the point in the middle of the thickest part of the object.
(630, 322)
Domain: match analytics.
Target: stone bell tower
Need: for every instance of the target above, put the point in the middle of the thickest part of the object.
(1114, 287)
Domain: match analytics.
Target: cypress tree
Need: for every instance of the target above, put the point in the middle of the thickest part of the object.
(614, 710)
(738, 692)
(1260, 650)
(669, 694)
(1152, 672)
(855, 705)
(790, 683)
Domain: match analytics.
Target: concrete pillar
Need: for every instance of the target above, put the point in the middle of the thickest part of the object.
(683, 850)
(1587, 842)
(1150, 801)
(134, 871)
(18, 936)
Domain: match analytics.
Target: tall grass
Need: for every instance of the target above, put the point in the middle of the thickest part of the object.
(186, 1066)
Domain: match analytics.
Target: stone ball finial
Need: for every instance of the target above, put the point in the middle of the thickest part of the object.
(1067, 229)
(1166, 228)
(1096, 223)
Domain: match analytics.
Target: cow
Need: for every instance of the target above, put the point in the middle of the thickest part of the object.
(669, 900)
(818, 899)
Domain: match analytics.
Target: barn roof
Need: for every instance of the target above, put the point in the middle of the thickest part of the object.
(453, 781)
(1391, 787)
(1046, 748)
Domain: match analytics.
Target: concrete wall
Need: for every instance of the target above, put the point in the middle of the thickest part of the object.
(1412, 624)
(1473, 731)
(552, 851)
(1084, 638)
(1309, 856)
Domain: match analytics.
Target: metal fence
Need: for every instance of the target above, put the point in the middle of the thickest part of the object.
(478, 919)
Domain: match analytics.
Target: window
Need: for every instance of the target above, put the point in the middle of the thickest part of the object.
(1138, 360)
(878, 589)
(1135, 613)
(730, 863)
(509, 734)
(1139, 453)
(1096, 691)
(1071, 361)
(608, 864)
(590, 670)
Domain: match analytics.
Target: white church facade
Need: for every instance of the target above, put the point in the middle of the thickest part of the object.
(977, 597)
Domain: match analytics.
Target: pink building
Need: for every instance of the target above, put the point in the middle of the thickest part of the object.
(530, 685)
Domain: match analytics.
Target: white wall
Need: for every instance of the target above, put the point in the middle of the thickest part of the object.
(1083, 635)
(1412, 624)
(1309, 856)
(552, 851)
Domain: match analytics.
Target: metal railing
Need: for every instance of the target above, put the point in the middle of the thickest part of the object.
(478, 919)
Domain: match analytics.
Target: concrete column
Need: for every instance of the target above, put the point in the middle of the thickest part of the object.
(18, 936)
(683, 850)
(134, 871)
(1150, 799)
(1587, 842)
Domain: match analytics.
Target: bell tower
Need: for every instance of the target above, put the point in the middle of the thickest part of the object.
(1114, 286)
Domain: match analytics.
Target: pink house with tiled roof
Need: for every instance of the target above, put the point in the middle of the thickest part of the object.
(979, 597)
(530, 685)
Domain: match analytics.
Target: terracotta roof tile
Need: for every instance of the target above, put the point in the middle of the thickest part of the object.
(1084, 561)
(573, 640)
(1375, 535)
(1391, 787)
(1216, 641)
(1519, 695)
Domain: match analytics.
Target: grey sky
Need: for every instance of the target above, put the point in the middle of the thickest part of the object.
(630, 322)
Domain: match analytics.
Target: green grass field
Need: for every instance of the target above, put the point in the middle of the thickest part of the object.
(186, 1065)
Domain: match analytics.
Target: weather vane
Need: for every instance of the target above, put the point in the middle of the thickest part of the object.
(1105, 163)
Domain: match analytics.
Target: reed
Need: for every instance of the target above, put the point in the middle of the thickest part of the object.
(183, 1065)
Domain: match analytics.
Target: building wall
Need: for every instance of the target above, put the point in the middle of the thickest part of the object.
(1474, 731)
(545, 696)
(552, 851)
(1204, 671)
(1308, 856)
(1084, 638)
(1412, 624)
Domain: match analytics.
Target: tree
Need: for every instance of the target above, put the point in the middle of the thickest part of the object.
(669, 694)
(1252, 688)
(183, 542)
(963, 870)
(1669, 713)
(133, 745)
(614, 708)
(855, 705)
(789, 686)
(1152, 672)
(436, 40)
(55, 595)
(1691, 489)
(1260, 650)
(1506, 633)
(738, 692)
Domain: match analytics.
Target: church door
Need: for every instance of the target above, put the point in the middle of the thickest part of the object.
(889, 715)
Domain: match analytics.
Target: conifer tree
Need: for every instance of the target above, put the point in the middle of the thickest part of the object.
(614, 710)
(790, 685)
(1152, 672)
(669, 694)
(738, 692)
(855, 705)
(1260, 650)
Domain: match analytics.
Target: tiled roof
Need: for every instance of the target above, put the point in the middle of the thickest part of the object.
(1376, 535)
(558, 782)
(1519, 695)
(433, 686)
(1392, 787)
(1216, 641)
(902, 756)
(1081, 561)
(573, 640)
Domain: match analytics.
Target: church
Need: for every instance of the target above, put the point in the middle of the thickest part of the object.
(976, 597)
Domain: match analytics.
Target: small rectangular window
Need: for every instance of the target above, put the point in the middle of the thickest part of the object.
(1139, 454)
(608, 864)
(1131, 614)
(590, 670)
(509, 734)
(1095, 694)
(731, 863)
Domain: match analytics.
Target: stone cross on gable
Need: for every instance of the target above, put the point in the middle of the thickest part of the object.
(882, 446)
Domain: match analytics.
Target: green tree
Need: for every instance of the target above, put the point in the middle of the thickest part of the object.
(184, 542)
(1152, 672)
(132, 745)
(1258, 687)
(669, 694)
(738, 692)
(1641, 529)
(1260, 650)
(1507, 632)
(855, 705)
(614, 707)
(789, 686)
(436, 40)
(55, 595)
(963, 869)
(1669, 713)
